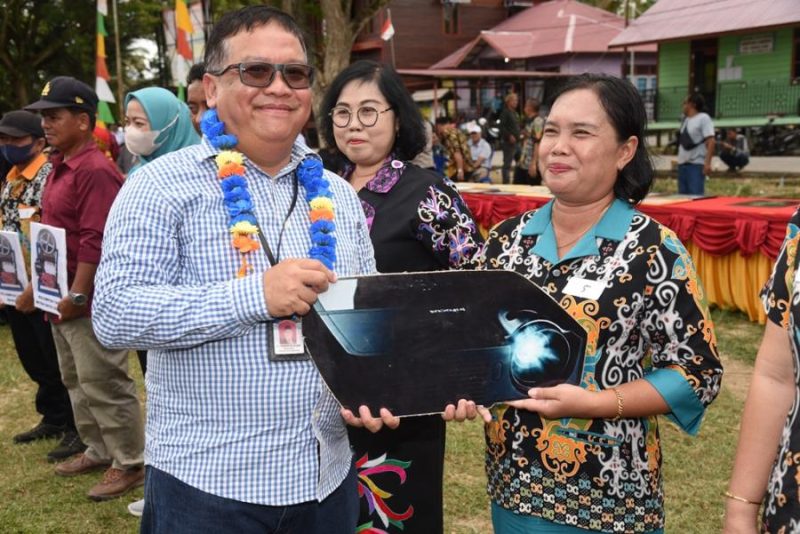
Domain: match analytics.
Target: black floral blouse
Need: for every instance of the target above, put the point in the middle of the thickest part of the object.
(418, 222)
(781, 298)
(24, 190)
(649, 320)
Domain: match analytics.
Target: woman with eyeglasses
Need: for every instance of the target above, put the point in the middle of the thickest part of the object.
(418, 222)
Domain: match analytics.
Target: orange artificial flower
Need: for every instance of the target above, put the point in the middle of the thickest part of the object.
(317, 215)
(229, 169)
(244, 244)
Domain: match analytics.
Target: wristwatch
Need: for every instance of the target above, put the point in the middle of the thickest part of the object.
(78, 299)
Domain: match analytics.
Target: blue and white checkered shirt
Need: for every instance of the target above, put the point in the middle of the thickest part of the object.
(221, 417)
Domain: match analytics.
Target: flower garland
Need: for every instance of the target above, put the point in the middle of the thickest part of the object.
(243, 225)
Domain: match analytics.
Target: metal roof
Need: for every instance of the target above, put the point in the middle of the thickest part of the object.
(547, 29)
(682, 19)
(473, 73)
(429, 95)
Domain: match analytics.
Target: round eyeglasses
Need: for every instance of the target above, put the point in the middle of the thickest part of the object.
(262, 74)
(367, 116)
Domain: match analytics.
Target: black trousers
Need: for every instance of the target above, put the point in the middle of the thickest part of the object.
(33, 340)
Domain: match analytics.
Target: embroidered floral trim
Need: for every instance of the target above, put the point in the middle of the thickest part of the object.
(243, 225)
(386, 177)
(376, 497)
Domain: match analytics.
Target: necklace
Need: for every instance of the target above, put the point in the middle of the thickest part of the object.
(582, 232)
(243, 225)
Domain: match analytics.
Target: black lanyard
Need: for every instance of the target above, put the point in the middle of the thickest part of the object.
(268, 251)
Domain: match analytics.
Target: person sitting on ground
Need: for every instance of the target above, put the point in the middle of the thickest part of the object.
(735, 150)
(481, 154)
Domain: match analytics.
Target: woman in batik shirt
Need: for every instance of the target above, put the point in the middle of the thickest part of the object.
(417, 222)
(769, 421)
(575, 458)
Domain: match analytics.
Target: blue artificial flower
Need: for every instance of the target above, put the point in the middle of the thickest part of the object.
(237, 193)
(322, 239)
(239, 206)
(244, 217)
(233, 181)
(214, 130)
(322, 226)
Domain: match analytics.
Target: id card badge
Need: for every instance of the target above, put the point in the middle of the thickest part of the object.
(286, 341)
(583, 288)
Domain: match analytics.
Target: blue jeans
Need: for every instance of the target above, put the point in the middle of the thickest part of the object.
(691, 179)
(734, 161)
(174, 507)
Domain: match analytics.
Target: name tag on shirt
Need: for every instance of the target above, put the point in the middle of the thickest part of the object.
(287, 341)
(583, 288)
(26, 213)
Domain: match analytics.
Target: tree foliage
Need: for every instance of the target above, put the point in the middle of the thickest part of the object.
(40, 39)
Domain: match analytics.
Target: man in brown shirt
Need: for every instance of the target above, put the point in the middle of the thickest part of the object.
(80, 190)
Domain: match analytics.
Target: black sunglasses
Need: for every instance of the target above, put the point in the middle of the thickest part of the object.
(262, 74)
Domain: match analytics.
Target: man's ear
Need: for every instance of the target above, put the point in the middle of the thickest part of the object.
(210, 88)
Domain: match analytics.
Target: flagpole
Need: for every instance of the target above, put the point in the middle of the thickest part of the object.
(391, 41)
(120, 81)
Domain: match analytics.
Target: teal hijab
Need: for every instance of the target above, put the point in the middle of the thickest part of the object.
(162, 108)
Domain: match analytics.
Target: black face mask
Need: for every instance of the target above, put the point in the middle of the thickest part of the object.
(16, 154)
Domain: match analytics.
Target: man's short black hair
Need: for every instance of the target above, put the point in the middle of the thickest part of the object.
(697, 100)
(196, 73)
(245, 19)
(410, 139)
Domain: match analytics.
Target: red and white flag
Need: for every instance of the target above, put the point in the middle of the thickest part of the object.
(387, 30)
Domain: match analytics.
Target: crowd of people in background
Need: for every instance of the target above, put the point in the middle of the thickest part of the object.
(201, 232)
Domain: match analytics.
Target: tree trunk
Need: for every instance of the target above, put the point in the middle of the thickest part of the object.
(337, 41)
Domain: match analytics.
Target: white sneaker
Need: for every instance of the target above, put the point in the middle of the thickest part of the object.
(136, 508)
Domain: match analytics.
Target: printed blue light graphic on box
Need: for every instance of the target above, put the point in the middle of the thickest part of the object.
(532, 350)
(540, 351)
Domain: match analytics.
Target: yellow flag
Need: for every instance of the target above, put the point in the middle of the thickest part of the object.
(182, 19)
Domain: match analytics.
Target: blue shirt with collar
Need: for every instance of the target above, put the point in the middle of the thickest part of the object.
(612, 225)
(222, 417)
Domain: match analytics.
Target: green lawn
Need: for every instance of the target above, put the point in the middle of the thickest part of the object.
(696, 469)
(743, 186)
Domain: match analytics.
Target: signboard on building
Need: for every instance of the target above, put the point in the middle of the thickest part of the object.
(757, 44)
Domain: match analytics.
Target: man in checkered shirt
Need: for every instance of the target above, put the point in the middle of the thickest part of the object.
(238, 439)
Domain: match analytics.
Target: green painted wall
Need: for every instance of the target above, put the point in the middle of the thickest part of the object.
(764, 86)
(673, 79)
(775, 64)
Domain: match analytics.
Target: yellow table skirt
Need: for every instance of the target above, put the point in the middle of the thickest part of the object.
(733, 282)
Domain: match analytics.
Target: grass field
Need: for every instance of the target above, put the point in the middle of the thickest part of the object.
(34, 500)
